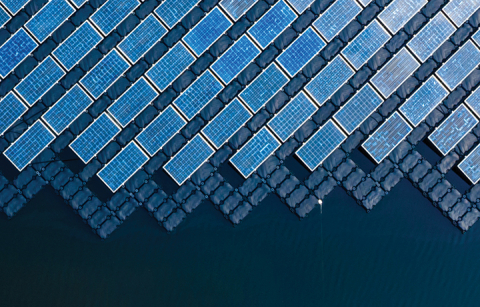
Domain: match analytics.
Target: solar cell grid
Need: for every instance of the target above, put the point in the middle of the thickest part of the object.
(460, 10)
(12, 109)
(476, 37)
(399, 12)
(172, 11)
(469, 166)
(4, 17)
(236, 8)
(14, 51)
(14, 6)
(473, 101)
(336, 18)
(113, 12)
(300, 5)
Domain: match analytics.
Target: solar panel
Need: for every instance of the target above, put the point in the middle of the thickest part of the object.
(161, 130)
(189, 159)
(226, 123)
(399, 12)
(77, 45)
(29, 145)
(4, 17)
(300, 5)
(453, 129)
(292, 116)
(264, 87)
(381, 143)
(172, 11)
(434, 34)
(207, 31)
(236, 8)
(395, 72)
(105, 73)
(198, 95)
(14, 6)
(460, 10)
(49, 18)
(473, 101)
(95, 138)
(272, 24)
(39, 81)
(12, 109)
(67, 109)
(132, 102)
(255, 152)
(123, 166)
(366, 44)
(142, 39)
(171, 65)
(336, 18)
(301, 51)
(460, 65)
(78, 3)
(113, 12)
(423, 101)
(469, 166)
(235, 59)
(14, 51)
(325, 141)
(356, 110)
(329, 80)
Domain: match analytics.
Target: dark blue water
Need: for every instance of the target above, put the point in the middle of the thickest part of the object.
(403, 253)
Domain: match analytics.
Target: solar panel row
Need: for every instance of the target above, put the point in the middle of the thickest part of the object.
(172, 11)
(110, 14)
(460, 10)
(14, 6)
(300, 5)
(336, 18)
(469, 166)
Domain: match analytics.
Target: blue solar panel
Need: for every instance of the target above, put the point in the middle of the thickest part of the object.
(235, 59)
(189, 159)
(292, 116)
(460, 65)
(336, 18)
(132, 102)
(460, 10)
(105, 73)
(469, 166)
(272, 24)
(77, 45)
(67, 109)
(329, 80)
(380, 144)
(13, 6)
(95, 138)
(236, 8)
(321, 145)
(17, 48)
(301, 51)
(112, 13)
(49, 18)
(161, 130)
(123, 166)
(12, 108)
(172, 11)
(300, 5)
(267, 84)
(395, 72)
(39, 81)
(255, 152)
(142, 38)
(357, 109)
(171, 65)
(453, 129)
(29, 145)
(399, 12)
(198, 95)
(423, 101)
(226, 123)
(4, 17)
(366, 44)
(473, 101)
(207, 31)
(434, 34)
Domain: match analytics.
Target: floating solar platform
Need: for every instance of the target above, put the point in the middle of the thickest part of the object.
(95, 138)
(292, 116)
(329, 80)
(453, 129)
(424, 101)
(14, 51)
(300, 5)
(67, 109)
(29, 145)
(272, 24)
(469, 165)
(161, 130)
(473, 101)
(123, 166)
(172, 11)
(386, 138)
(301, 51)
(189, 159)
(395, 72)
(358, 109)
(336, 18)
(4, 17)
(226, 123)
(236, 8)
(399, 12)
(460, 65)
(460, 10)
(255, 152)
(14, 6)
(325, 141)
(113, 12)
(12, 109)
